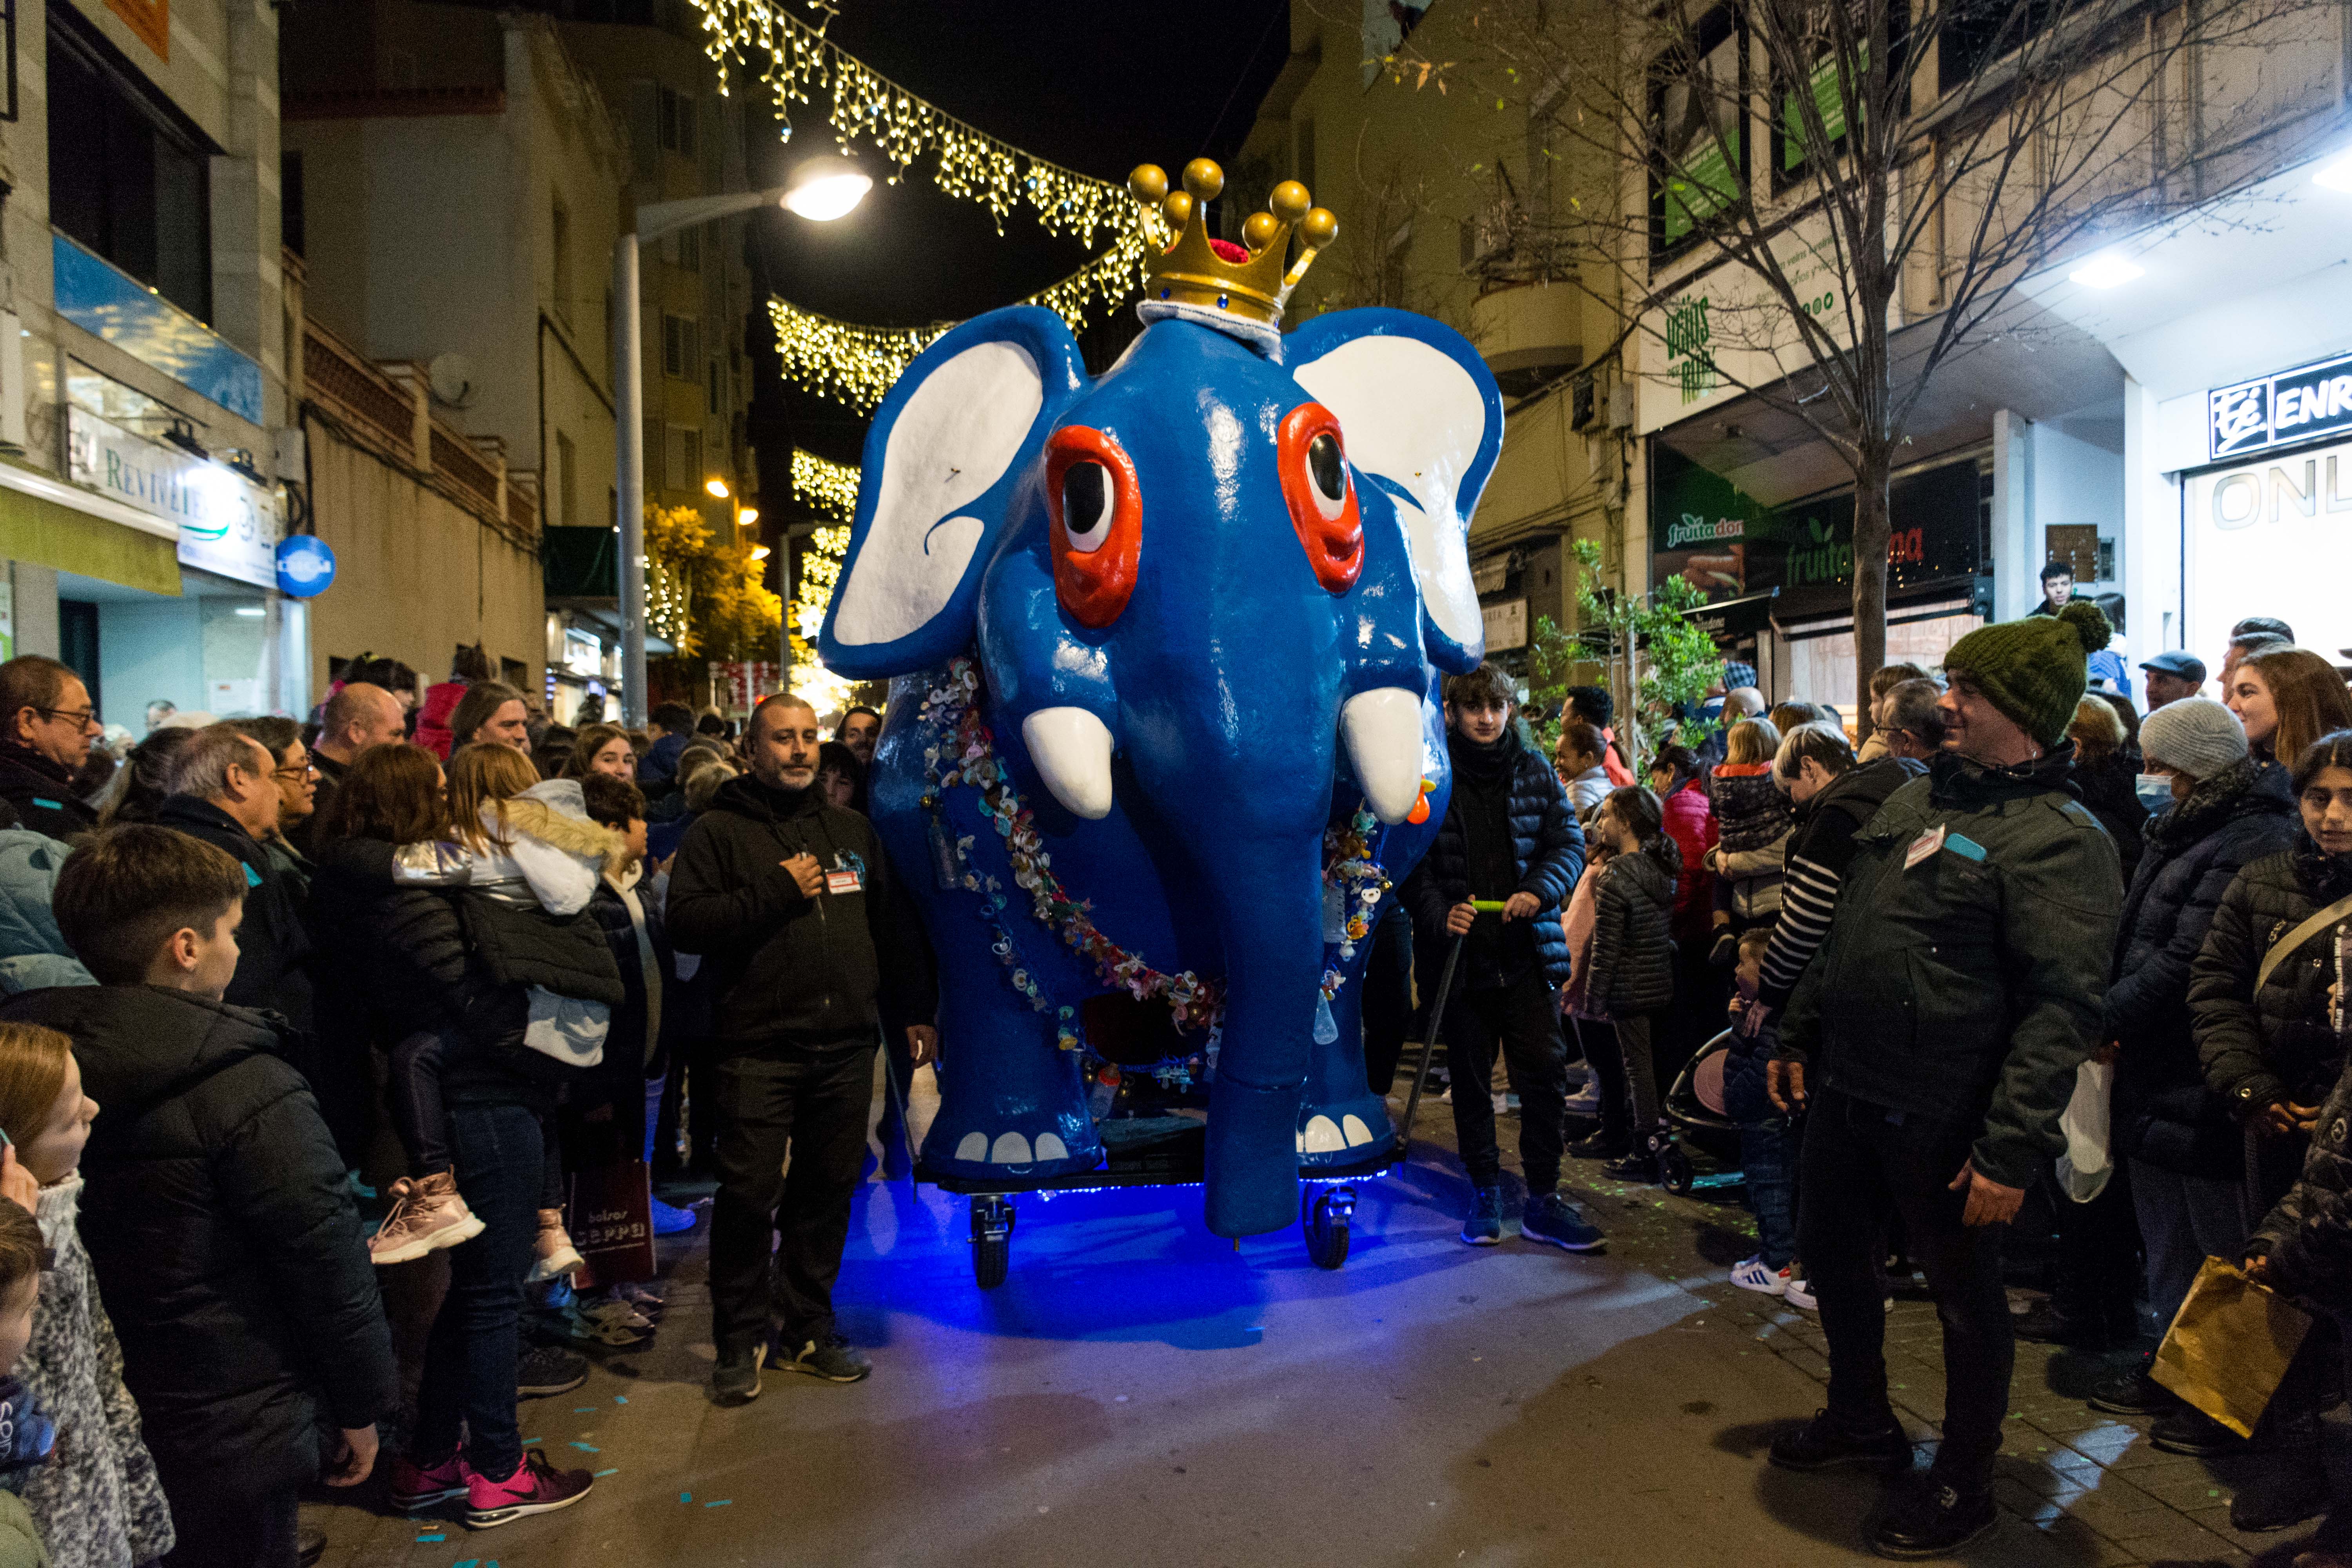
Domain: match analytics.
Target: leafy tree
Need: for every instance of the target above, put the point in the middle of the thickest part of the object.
(705, 593)
(1659, 661)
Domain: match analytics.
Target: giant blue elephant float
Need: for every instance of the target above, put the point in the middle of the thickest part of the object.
(1161, 734)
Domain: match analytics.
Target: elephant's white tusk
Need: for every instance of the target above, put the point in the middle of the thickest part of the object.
(1382, 731)
(1072, 751)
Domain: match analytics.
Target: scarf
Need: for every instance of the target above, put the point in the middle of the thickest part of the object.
(1485, 766)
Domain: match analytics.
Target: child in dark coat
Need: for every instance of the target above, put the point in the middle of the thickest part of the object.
(1631, 978)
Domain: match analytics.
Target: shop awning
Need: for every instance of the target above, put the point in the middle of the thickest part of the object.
(49, 522)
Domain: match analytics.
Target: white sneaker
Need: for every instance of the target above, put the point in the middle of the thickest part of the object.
(1755, 1274)
(1796, 1294)
(1585, 1102)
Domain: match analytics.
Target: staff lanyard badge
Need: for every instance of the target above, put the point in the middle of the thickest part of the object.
(848, 875)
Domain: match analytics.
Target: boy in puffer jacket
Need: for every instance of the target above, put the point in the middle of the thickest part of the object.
(1753, 822)
(526, 849)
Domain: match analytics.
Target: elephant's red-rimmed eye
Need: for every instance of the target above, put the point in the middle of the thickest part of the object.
(1096, 510)
(1321, 495)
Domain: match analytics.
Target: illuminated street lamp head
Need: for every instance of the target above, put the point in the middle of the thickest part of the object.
(760, 553)
(716, 486)
(825, 187)
(747, 517)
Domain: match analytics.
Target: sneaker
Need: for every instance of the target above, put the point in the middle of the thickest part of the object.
(535, 1487)
(2290, 1489)
(1938, 1518)
(605, 1308)
(831, 1358)
(1553, 1220)
(427, 1215)
(414, 1487)
(553, 1255)
(1586, 1101)
(2050, 1324)
(1637, 1165)
(1825, 1442)
(2134, 1393)
(1799, 1294)
(669, 1219)
(2190, 1431)
(1484, 1225)
(736, 1379)
(545, 1370)
(1755, 1274)
(1601, 1145)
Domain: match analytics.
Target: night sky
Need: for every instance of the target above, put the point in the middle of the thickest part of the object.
(1097, 87)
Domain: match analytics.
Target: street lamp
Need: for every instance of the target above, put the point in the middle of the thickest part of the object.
(820, 189)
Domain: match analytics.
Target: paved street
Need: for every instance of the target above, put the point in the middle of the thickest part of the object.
(1141, 1392)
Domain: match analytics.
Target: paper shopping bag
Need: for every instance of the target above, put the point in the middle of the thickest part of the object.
(2229, 1345)
(611, 1222)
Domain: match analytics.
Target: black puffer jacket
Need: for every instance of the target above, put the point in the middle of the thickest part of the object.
(40, 793)
(221, 1234)
(1633, 942)
(783, 966)
(2110, 788)
(2259, 1050)
(2163, 1110)
(1546, 848)
(2308, 1234)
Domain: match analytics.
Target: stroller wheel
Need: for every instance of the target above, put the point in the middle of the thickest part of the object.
(1674, 1169)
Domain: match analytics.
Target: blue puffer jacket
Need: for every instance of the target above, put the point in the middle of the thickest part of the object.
(1547, 847)
(32, 953)
(2164, 1112)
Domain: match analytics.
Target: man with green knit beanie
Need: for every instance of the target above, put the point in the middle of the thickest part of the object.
(1934, 1041)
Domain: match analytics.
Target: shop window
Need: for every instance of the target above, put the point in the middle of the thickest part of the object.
(128, 180)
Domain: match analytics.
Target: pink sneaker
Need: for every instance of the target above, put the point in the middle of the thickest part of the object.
(427, 1215)
(552, 1254)
(415, 1486)
(535, 1487)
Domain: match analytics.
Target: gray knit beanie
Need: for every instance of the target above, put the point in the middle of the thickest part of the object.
(2195, 736)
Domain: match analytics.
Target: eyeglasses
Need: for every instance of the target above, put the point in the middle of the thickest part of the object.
(81, 717)
(294, 775)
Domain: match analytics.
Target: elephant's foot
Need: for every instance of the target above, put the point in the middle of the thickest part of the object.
(1025, 1149)
(1253, 1179)
(1344, 1132)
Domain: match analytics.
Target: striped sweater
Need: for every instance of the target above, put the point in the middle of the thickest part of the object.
(1819, 853)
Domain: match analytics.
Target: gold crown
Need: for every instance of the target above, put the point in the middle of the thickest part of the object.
(1191, 272)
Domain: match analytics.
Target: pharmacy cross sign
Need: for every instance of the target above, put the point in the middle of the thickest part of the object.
(2293, 406)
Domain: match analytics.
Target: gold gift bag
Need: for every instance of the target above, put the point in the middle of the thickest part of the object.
(2228, 1347)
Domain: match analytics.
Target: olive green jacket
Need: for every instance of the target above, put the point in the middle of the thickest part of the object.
(1967, 985)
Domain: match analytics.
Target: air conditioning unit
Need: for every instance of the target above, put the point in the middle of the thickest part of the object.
(1620, 407)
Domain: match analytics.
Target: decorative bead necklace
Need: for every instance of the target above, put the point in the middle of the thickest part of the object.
(960, 749)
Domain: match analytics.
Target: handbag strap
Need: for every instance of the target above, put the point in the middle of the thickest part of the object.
(2298, 936)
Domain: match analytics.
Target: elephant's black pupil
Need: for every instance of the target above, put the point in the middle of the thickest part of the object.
(1323, 462)
(1086, 497)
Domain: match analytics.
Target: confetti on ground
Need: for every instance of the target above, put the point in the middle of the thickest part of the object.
(586, 1409)
(722, 1502)
(685, 1496)
(423, 1538)
(602, 1474)
(620, 1399)
(587, 1449)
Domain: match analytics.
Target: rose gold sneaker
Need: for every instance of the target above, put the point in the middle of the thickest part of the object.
(426, 1216)
(554, 1254)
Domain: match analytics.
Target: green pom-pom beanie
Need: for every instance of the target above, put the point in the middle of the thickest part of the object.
(2034, 670)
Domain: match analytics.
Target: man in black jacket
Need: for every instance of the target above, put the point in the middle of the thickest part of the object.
(790, 903)
(46, 724)
(216, 1217)
(1508, 837)
(223, 792)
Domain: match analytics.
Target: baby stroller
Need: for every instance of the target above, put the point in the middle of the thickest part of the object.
(1694, 1109)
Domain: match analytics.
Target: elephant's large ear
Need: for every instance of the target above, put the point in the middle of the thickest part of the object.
(1423, 418)
(951, 443)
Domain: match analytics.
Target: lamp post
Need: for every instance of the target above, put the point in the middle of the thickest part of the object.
(820, 189)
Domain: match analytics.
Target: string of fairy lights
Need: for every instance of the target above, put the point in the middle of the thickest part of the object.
(827, 486)
(854, 365)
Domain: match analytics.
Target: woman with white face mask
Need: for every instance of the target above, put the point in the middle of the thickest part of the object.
(2214, 808)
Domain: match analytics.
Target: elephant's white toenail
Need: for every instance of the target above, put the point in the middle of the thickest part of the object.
(1049, 1147)
(1353, 1126)
(973, 1147)
(1322, 1136)
(1012, 1149)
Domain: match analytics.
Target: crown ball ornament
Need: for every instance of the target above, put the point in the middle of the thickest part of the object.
(1239, 290)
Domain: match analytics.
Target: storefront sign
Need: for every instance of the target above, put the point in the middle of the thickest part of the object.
(306, 567)
(1728, 331)
(1506, 625)
(2270, 537)
(227, 524)
(1730, 544)
(2316, 400)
